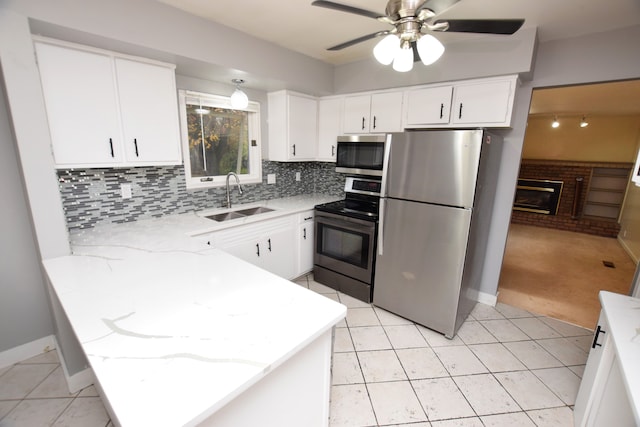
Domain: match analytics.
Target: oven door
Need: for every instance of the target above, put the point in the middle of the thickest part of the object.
(345, 245)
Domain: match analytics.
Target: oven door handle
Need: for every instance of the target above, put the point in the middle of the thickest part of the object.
(381, 226)
(348, 223)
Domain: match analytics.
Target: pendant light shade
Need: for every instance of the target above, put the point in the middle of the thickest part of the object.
(430, 49)
(239, 99)
(385, 50)
(403, 61)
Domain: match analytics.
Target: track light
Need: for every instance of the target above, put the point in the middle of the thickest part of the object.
(555, 123)
(239, 99)
(584, 123)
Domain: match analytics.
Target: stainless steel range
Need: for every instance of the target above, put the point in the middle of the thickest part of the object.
(346, 236)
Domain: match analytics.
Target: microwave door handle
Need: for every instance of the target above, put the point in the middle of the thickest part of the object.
(381, 226)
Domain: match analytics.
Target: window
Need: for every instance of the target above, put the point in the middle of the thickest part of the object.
(217, 139)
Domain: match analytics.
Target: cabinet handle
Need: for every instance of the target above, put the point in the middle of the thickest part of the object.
(294, 149)
(363, 123)
(374, 121)
(333, 150)
(111, 146)
(304, 233)
(460, 111)
(269, 242)
(135, 144)
(595, 337)
(258, 249)
(308, 218)
(441, 110)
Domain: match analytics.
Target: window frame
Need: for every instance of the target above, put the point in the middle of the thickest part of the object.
(253, 122)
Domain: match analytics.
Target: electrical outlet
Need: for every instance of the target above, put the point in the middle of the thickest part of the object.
(271, 178)
(297, 176)
(125, 191)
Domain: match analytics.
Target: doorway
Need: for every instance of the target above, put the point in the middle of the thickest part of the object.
(555, 265)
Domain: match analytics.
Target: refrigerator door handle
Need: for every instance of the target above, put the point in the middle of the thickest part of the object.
(381, 226)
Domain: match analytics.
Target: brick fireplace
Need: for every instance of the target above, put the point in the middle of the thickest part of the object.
(573, 196)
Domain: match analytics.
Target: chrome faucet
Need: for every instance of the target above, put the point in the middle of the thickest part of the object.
(230, 174)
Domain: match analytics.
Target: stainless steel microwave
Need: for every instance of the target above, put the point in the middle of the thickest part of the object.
(360, 154)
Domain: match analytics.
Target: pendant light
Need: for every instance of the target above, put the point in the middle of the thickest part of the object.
(239, 99)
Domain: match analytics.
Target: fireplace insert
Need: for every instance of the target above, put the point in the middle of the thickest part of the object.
(538, 196)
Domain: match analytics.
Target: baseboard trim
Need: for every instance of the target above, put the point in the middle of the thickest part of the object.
(486, 298)
(627, 249)
(79, 380)
(27, 351)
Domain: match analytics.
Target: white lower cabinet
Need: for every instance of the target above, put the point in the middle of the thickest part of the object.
(269, 244)
(305, 243)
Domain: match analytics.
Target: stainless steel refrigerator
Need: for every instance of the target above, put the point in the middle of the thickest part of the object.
(437, 196)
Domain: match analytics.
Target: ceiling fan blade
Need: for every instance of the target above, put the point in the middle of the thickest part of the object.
(345, 8)
(359, 40)
(438, 6)
(487, 26)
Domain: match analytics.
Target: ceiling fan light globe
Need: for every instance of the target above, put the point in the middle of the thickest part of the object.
(403, 61)
(430, 49)
(239, 99)
(385, 50)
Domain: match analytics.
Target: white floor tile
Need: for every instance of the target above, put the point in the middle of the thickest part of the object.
(519, 419)
(578, 370)
(532, 355)
(528, 390)
(83, 412)
(511, 312)
(485, 312)
(364, 316)
(554, 417)
(459, 360)
(55, 385)
(5, 369)
(472, 332)
(352, 302)
(564, 350)
(421, 363)
(378, 366)
(342, 341)
(405, 336)
(583, 343)
(562, 381)
(6, 406)
(36, 412)
(486, 395)
(395, 402)
(535, 328)
(46, 357)
(346, 369)
(370, 338)
(351, 407)
(566, 329)
(460, 422)
(20, 380)
(320, 288)
(441, 399)
(334, 297)
(504, 330)
(496, 357)
(388, 318)
(436, 339)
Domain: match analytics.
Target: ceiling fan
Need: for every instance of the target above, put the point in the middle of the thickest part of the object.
(412, 20)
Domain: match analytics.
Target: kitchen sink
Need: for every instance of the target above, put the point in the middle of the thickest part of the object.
(241, 213)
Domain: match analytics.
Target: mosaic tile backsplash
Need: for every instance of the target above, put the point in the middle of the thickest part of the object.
(92, 196)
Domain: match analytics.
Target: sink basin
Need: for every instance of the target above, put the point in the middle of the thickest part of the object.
(225, 216)
(241, 213)
(254, 211)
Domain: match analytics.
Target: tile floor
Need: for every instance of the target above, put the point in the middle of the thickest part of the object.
(506, 367)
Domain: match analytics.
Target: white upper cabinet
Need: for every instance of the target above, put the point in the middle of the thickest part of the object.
(428, 106)
(374, 113)
(293, 126)
(105, 110)
(329, 127)
(483, 103)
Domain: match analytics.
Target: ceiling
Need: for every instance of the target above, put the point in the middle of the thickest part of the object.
(296, 25)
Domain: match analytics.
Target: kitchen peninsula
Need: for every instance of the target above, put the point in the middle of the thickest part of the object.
(179, 333)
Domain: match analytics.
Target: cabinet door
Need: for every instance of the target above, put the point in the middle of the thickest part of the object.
(482, 103)
(386, 112)
(356, 114)
(278, 252)
(303, 127)
(80, 98)
(429, 106)
(247, 250)
(149, 111)
(305, 244)
(329, 124)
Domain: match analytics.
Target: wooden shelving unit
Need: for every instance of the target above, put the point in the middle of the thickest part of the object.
(606, 193)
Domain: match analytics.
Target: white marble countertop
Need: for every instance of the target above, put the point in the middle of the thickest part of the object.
(172, 331)
(623, 315)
